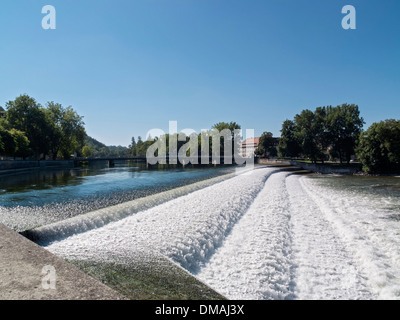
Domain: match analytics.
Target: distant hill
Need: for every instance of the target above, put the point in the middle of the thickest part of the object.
(93, 143)
(99, 149)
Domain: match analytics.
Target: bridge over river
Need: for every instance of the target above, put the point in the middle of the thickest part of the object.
(203, 161)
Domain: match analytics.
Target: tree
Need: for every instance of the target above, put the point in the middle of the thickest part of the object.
(1, 145)
(54, 115)
(26, 115)
(118, 151)
(307, 133)
(133, 143)
(67, 132)
(138, 147)
(86, 152)
(327, 130)
(141, 147)
(95, 146)
(55, 130)
(344, 126)
(289, 146)
(379, 147)
(234, 136)
(13, 143)
(21, 143)
(226, 125)
(104, 152)
(7, 143)
(321, 131)
(266, 145)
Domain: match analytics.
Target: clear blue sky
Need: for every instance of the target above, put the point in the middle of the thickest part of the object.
(131, 66)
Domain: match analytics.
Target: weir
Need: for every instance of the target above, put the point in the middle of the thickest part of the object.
(269, 233)
(187, 229)
(99, 218)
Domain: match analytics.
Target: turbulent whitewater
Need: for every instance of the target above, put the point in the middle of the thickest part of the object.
(263, 234)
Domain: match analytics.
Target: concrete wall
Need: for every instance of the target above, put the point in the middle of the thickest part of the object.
(21, 165)
(270, 161)
(328, 169)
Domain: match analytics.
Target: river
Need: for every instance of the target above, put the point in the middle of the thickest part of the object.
(39, 197)
(261, 234)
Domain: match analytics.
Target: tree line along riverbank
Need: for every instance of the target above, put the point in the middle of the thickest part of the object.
(30, 131)
(336, 134)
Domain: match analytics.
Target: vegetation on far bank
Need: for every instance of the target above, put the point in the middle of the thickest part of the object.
(30, 131)
(336, 133)
(328, 133)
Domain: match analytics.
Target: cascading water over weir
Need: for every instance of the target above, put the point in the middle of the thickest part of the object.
(261, 234)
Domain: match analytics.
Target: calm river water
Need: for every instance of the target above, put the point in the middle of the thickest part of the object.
(32, 199)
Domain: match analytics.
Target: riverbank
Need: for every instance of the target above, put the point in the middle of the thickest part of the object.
(342, 169)
(322, 168)
(21, 277)
(146, 278)
(329, 168)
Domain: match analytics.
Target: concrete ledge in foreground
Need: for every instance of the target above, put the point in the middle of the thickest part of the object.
(29, 272)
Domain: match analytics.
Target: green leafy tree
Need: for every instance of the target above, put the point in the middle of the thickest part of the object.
(2, 112)
(379, 147)
(266, 146)
(118, 151)
(289, 145)
(7, 144)
(21, 143)
(1, 143)
(86, 152)
(308, 133)
(139, 146)
(344, 126)
(104, 152)
(133, 142)
(231, 126)
(26, 115)
(95, 146)
(226, 125)
(321, 131)
(67, 133)
(55, 130)
(327, 130)
(142, 146)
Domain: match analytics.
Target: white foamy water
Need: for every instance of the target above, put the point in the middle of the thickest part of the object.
(372, 239)
(187, 229)
(98, 218)
(284, 248)
(261, 235)
(255, 261)
(324, 266)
